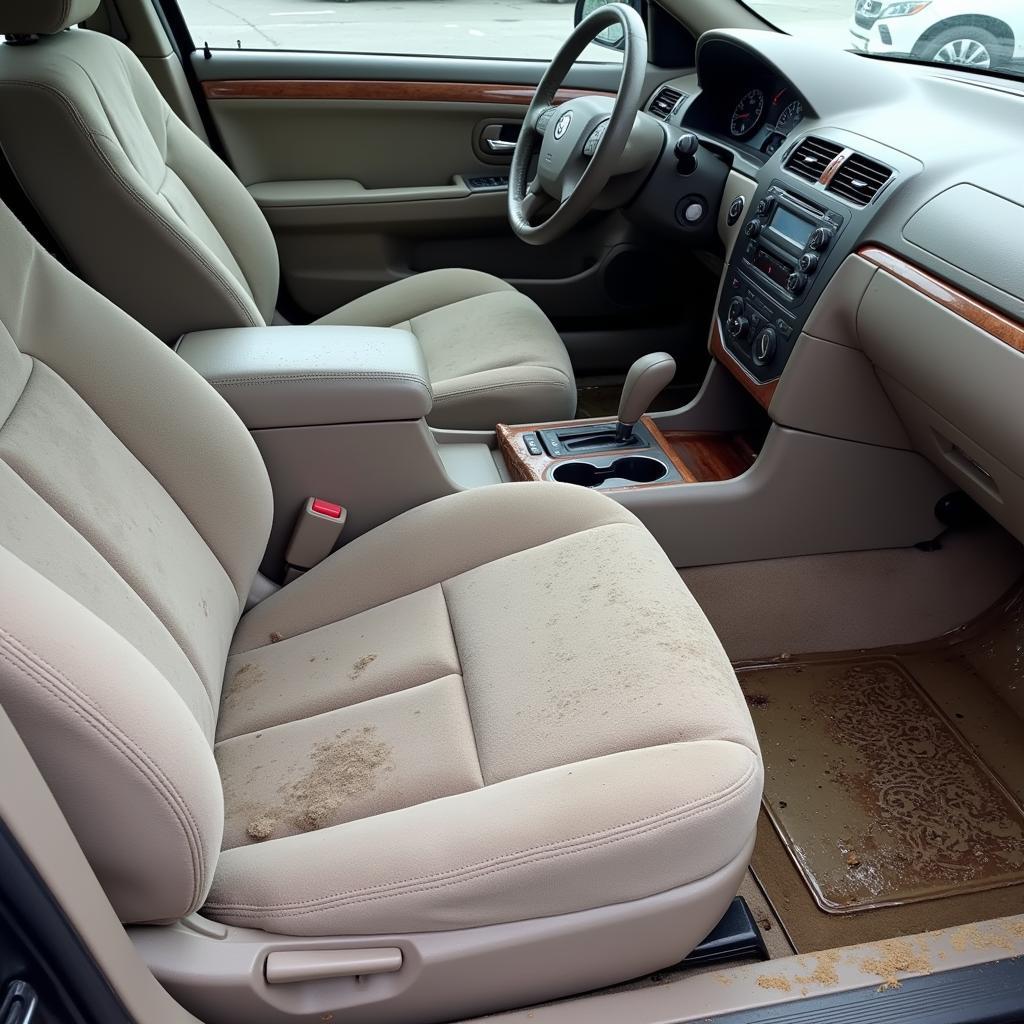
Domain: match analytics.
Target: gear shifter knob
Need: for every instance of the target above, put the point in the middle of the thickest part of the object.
(647, 378)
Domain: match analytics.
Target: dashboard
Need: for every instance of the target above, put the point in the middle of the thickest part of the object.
(872, 214)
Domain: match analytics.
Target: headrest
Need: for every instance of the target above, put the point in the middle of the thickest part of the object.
(43, 17)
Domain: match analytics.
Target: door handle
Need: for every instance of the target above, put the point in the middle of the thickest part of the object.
(495, 139)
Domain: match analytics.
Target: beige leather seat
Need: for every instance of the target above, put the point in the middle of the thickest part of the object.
(153, 219)
(496, 733)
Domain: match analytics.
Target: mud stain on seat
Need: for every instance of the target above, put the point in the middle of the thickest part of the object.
(362, 665)
(348, 767)
(261, 828)
(247, 677)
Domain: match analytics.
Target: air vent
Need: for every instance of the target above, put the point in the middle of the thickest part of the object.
(859, 179)
(811, 157)
(665, 102)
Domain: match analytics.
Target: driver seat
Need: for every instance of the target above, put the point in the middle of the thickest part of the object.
(148, 213)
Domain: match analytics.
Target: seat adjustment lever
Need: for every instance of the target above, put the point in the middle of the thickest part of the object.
(287, 967)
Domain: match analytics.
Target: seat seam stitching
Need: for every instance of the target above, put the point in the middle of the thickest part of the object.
(10, 415)
(462, 678)
(52, 679)
(462, 392)
(331, 711)
(576, 532)
(507, 366)
(520, 858)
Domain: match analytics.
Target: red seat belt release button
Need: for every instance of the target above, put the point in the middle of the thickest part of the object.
(326, 508)
(316, 533)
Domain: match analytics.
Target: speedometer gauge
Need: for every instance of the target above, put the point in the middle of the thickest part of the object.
(748, 113)
(790, 117)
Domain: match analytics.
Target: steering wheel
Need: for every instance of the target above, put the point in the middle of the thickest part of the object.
(580, 141)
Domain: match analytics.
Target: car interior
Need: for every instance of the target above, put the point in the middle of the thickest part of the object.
(512, 538)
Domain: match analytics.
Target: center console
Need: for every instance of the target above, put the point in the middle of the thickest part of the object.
(651, 458)
(775, 275)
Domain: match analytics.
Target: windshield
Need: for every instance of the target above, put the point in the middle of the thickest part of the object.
(982, 35)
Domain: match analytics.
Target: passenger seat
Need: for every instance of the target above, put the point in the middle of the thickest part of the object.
(495, 738)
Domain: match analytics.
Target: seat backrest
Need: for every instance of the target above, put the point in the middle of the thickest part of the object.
(146, 212)
(134, 511)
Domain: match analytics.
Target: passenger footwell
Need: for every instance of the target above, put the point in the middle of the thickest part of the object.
(894, 785)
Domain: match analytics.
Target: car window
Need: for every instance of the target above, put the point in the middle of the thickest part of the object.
(510, 29)
(982, 35)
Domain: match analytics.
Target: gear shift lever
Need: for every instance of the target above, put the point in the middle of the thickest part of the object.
(647, 378)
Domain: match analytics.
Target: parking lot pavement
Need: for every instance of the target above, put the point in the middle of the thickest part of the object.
(464, 28)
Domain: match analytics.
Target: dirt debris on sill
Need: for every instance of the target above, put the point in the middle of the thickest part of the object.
(774, 982)
(825, 973)
(896, 956)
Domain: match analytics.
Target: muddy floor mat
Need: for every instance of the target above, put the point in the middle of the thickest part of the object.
(894, 785)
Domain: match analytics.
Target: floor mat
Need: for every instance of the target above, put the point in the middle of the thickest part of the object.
(894, 785)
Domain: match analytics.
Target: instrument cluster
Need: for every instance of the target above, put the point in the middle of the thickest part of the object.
(764, 118)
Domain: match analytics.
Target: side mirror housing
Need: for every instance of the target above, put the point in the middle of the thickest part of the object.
(611, 37)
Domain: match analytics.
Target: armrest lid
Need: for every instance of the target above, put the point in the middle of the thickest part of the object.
(313, 375)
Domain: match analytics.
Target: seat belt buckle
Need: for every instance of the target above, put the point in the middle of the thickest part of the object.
(314, 536)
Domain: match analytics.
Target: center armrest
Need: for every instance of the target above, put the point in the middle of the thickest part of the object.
(314, 375)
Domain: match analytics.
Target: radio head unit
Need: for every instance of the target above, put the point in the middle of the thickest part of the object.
(773, 276)
(788, 238)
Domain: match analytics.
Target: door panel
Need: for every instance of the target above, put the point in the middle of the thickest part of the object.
(361, 164)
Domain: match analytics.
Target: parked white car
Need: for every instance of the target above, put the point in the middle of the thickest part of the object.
(978, 34)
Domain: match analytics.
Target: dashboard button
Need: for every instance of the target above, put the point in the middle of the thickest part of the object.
(736, 209)
(765, 206)
(809, 262)
(753, 229)
(796, 283)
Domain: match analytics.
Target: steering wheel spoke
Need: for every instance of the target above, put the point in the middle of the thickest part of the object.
(570, 181)
(533, 200)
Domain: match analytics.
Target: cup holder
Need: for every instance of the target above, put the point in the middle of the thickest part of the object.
(637, 469)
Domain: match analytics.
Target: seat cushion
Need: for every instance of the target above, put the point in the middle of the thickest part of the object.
(448, 725)
(493, 356)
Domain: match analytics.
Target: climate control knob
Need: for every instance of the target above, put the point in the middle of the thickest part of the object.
(809, 262)
(763, 349)
(753, 229)
(737, 327)
(819, 240)
(796, 283)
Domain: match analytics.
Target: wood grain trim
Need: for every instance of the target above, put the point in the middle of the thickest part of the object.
(763, 393)
(708, 458)
(398, 92)
(681, 467)
(698, 457)
(830, 172)
(984, 317)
